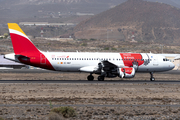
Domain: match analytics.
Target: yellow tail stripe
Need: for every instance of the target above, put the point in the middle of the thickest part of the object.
(16, 27)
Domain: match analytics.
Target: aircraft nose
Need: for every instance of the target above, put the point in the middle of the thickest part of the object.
(171, 66)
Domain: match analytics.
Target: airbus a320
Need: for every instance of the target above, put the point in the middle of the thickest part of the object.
(110, 65)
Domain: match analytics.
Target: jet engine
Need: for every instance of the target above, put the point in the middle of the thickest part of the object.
(126, 72)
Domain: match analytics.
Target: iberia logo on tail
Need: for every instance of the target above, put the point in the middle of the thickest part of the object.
(25, 51)
(21, 43)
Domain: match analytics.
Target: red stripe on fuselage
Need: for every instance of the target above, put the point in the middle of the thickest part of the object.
(36, 59)
(129, 58)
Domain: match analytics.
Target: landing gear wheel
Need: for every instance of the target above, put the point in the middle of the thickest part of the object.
(152, 78)
(90, 78)
(100, 78)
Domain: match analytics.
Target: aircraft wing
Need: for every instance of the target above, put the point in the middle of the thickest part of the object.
(105, 65)
(108, 64)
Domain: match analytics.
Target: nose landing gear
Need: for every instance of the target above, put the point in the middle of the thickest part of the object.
(152, 78)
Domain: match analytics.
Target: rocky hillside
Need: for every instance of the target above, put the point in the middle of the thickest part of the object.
(134, 19)
(42, 10)
(175, 3)
(38, 2)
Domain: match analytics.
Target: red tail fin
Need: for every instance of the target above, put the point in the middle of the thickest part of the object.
(21, 43)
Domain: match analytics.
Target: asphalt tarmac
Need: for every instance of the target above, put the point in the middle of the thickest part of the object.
(49, 71)
(91, 82)
(26, 71)
(82, 81)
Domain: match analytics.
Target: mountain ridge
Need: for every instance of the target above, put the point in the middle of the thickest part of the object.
(20, 10)
(147, 21)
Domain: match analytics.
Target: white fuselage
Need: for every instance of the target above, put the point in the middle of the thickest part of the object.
(72, 62)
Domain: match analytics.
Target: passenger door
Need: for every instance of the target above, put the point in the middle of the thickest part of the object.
(42, 59)
(155, 60)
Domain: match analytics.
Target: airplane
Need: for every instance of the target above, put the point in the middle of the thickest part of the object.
(110, 65)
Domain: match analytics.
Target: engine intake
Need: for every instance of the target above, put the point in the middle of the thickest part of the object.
(126, 72)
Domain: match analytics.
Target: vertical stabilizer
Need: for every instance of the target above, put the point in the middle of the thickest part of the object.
(21, 43)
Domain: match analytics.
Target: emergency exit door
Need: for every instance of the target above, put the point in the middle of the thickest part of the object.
(42, 59)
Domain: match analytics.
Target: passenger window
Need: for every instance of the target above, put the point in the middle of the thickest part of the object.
(52, 58)
(57, 58)
(79, 58)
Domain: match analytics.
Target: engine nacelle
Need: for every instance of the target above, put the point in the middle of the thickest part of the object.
(126, 72)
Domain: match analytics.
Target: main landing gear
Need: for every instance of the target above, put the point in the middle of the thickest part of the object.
(100, 78)
(152, 78)
(90, 77)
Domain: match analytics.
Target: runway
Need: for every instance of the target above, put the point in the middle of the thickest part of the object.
(27, 90)
(20, 71)
(91, 82)
(49, 71)
(26, 71)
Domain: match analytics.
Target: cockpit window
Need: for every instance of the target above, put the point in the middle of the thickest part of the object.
(165, 59)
